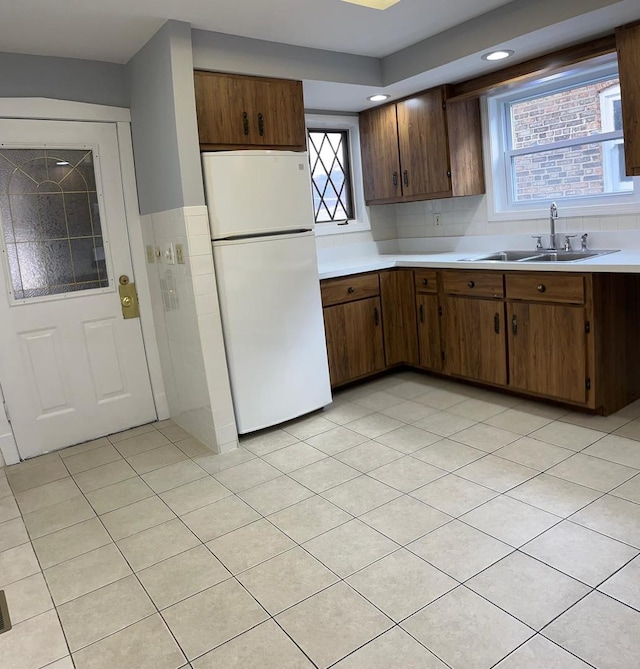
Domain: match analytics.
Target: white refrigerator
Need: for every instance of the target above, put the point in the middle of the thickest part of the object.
(261, 217)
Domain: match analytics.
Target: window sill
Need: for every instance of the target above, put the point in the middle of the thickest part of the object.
(324, 229)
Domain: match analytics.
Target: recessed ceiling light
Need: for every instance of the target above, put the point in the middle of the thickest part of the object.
(498, 55)
(62, 162)
(379, 97)
(374, 4)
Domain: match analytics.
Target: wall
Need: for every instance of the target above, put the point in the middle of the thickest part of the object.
(242, 55)
(26, 76)
(187, 318)
(170, 188)
(469, 216)
(163, 121)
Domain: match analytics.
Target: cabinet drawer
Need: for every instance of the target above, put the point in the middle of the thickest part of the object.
(336, 291)
(478, 284)
(546, 287)
(426, 281)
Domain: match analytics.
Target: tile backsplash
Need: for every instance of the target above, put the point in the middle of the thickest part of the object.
(463, 216)
(467, 216)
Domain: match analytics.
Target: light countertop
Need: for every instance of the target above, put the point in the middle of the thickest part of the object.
(626, 261)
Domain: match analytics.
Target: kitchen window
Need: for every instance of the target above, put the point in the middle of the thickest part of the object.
(330, 175)
(333, 144)
(559, 139)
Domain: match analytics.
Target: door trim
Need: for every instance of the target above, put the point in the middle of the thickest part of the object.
(64, 110)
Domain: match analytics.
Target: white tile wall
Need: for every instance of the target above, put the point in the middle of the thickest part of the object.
(467, 216)
(189, 330)
(383, 228)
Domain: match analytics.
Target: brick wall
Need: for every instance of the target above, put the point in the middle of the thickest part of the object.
(559, 172)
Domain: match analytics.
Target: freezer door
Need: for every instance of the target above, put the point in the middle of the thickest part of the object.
(273, 328)
(253, 192)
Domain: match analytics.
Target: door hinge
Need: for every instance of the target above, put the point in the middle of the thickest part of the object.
(588, 383)
(439, 311)
(587, 327)
(6, 411)
(442, 355)
(444, 105)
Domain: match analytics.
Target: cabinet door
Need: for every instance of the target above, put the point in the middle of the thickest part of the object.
(278, 113)
(422, 136)
(548, 350)
(354, 339)
(429, 331)
(399, 317)
(379, 145)
(628, 46)
(474, 339)
(224, 109)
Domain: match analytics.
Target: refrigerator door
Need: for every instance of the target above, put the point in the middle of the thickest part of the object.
(256, 192)
(273, 328)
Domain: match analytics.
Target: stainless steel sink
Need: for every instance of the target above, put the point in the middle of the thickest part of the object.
(539, 256)
(507, 256)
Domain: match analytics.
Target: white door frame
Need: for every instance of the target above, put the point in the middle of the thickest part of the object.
(62, 110)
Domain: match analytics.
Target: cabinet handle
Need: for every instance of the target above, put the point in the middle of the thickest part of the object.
(541, 288)
(245, 122)
(405, 178)
(425, 282)
(351, 290)
(471, 284)
(422, 313)
(514, 325)
(395, 179)
(261, 124)
(376, 316)
(496, 323)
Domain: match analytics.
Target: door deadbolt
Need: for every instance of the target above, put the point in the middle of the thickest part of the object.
(128, 298)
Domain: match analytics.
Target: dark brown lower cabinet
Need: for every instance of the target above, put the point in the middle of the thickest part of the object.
(548, 350)
(354, 339)
(565, 336)
(474, 339)
(399, 317)
(429, 332)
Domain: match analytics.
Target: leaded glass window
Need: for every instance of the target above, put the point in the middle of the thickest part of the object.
(50, 221)
(330, 175)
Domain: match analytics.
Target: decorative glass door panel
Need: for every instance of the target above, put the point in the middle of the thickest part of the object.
(50, 220)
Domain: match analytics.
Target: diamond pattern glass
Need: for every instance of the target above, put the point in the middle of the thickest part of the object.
(50, 220)
(329, 160)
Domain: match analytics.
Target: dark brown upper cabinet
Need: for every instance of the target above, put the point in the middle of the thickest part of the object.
(421, 148)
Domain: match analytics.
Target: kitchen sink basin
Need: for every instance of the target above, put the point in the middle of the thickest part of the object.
(538, 256)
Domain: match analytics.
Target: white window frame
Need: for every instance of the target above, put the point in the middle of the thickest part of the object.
(496, 126)
(610, 158)
(361, 221)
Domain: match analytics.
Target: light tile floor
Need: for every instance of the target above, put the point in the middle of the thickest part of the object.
(416, 523)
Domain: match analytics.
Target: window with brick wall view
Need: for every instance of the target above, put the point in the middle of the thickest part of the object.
(562, 139)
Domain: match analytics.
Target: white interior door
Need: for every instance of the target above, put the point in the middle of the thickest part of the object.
(72, 368)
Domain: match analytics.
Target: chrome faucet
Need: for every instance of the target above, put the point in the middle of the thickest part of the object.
(553, 214)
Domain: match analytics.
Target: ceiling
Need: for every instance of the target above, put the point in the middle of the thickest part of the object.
(412, 46)
(114, 30)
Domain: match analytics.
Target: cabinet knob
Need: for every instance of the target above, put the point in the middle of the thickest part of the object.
(351, 290)
(471, 284)
(541, 288)
(394, 178)
(405, 177)
(425, 282)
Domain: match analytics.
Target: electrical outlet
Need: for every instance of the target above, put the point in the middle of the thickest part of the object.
(437, 219)
(170, 254)
(180, 254)
(151, 255)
